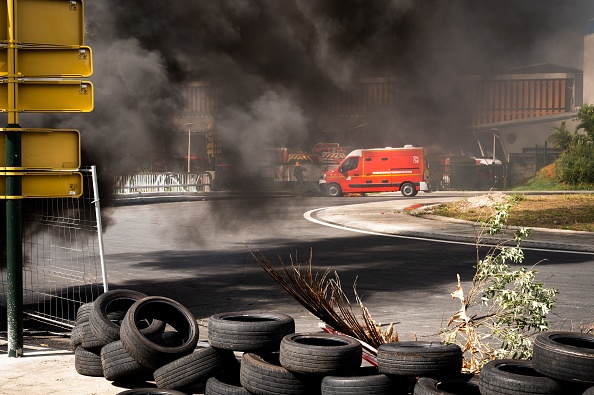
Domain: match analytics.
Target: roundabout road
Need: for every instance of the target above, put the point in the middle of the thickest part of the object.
(197, 253)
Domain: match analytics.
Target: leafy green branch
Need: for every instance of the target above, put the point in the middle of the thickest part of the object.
(504, 307)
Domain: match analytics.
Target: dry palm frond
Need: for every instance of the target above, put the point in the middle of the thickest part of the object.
(326, 300)
(588, 328)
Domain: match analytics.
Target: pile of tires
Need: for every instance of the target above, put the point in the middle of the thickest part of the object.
(130, 337)
(330, 364)
(125, 335)
(98, 324)
(562, 363)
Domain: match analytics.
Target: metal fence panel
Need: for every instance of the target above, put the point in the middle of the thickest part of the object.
(61, 256)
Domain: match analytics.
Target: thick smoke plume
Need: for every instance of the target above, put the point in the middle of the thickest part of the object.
(279, 63)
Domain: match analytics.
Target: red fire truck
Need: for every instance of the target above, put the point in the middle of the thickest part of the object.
(378, 170)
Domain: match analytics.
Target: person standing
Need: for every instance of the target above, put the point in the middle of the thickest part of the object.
(298, 174)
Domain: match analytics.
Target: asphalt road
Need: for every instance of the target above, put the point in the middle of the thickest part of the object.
(197, 253)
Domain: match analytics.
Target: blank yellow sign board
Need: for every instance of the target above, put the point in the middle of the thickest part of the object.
(55, 62)
(45, 149)
(50, 96)
(45, 184)
(46, 22)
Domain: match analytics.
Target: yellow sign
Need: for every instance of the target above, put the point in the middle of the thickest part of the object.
(46, 22)
(48, 149)
(57, 62)
(45, 184)
(50, 96)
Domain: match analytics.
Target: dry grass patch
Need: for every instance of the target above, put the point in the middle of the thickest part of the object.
(559, 211)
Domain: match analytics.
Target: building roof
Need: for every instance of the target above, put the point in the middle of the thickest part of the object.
(543, 68)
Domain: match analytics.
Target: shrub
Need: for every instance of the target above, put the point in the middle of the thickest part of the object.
(575, 165)
(503, 305)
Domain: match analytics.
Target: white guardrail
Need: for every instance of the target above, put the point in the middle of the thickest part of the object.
(162, 183)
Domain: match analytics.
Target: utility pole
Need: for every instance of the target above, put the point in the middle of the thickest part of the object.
(189, 126)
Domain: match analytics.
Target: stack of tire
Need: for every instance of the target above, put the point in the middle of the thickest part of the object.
(98, 325)
(277, 361)
(421, 366)
(562, 363)
(126, 335)
(321, 363)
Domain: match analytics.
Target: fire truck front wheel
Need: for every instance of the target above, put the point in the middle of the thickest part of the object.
(408, 189)
(333, 190)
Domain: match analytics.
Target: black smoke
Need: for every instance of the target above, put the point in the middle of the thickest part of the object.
(278, 63)
(305, 51)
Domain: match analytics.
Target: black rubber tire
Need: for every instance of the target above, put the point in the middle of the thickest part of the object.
(198, 366)
(83, 312)
(420, 359)
(88, 339)
(150, 391)
(109, 308)
(167, 338)
(262, 375)
(516, 377)
(76, 336)
(364, 381)
(567, 356)
(320, 353)
(118, 364)
(87, 363)
(249, 332)
(333, 190)
(116, 317)
(214, 386)
(408, 189)
(151, 354)
(429, 386)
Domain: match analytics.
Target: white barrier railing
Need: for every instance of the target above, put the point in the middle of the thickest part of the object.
(162, 183)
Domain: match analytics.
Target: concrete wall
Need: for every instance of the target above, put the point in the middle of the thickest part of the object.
(516, 138)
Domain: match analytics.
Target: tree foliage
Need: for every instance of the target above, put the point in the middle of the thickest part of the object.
(575, 165)
(585, 116)
(561, 137)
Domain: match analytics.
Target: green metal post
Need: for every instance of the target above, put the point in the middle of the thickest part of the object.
(14, 206)
(14, 250)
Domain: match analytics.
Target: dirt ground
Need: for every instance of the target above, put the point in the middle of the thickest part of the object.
(557, 211)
